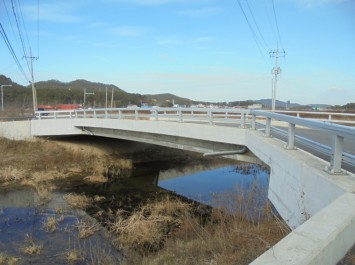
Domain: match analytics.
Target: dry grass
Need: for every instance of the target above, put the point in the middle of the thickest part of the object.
(146, 229)
(38, 161)
(167, 232)
(50, 225)
(8, 260)
(87, 228)
(31, 248)
(73, 256)
(3, 258)
(96, 179)
(77, 201)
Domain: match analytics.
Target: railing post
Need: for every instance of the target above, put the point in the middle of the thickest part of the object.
(84, 114)
(253, 122)
(268, 127)
(330, 117)
(242, 124)
(210, 117)
(156, 114)
(136, 114)
(106, 114)
(291, 136)
(337, 154)
(120, 114)
(55, 115)
(180, 115)
(95, 114)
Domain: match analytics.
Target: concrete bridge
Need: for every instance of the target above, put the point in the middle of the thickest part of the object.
(312, 183)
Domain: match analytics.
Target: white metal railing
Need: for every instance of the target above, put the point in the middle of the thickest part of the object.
(332, 117)
(241, 118)
(338, 133)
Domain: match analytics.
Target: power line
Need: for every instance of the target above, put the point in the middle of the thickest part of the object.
(257, 41)
(9, 46)
(20, 34)
(277, 24)
(257, 26)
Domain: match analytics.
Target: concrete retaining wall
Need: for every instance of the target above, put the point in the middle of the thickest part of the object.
(299, 187)
(323, 239)
(16, 130)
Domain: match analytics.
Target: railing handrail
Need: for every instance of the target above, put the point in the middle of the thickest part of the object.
(334, 129)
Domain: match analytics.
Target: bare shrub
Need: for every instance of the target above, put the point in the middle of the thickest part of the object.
(96, 179)
(86, 228)
(146, 229)
(12, 174)
(3, 258)
(50, 225)
(77, 201)
(31, 248)
(221, 238)
(73, 256)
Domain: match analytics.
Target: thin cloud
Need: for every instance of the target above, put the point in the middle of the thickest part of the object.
(315, 3)
(55, 12)
(336, 89)
(180, 41)
(207, 11)
(129, 31)
(155, 2)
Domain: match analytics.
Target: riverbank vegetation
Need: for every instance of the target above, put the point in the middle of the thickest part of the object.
(162, 228)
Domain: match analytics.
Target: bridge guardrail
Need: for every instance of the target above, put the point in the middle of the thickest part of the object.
(338, 133)
(242, 118)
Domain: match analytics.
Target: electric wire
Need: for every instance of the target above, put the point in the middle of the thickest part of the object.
(20, 34)
(12, 27)
(38, 28)
(276, 22)
(257, 26)
(9, 46)
(23, 23)
(257, 41)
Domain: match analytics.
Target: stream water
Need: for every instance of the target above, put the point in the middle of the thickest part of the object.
(23, 215)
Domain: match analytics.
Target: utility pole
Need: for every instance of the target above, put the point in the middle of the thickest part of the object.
(88, 93)
(275, 71)
(112, 98)
(34, 93)
(2, 97)
(106, 99)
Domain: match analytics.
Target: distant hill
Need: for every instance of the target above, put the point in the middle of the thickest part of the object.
(278, 103)
(79, 84)
(53, 92)
(167, 98)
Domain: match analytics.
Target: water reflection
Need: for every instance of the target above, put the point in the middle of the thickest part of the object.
(213, 185)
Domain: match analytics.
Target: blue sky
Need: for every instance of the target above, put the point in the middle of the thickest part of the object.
(199, 49)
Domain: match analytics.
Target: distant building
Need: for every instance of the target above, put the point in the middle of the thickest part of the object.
(255, 106)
